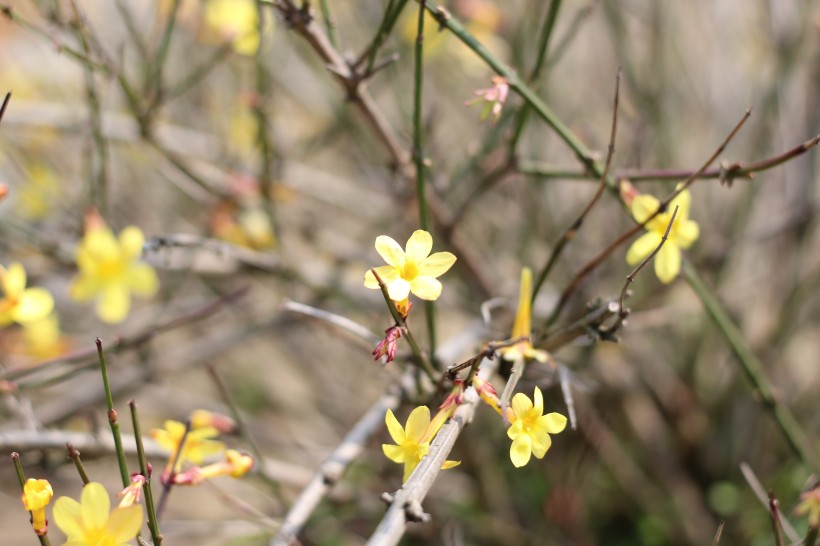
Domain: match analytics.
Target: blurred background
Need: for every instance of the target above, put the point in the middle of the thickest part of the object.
(248, 168)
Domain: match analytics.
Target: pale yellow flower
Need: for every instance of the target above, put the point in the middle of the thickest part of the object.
(91, 522)
(235, 465)
(111, 270)
(683, 233)
(237, 20)
(414, 270)
(530, 429)
(36, 496)
(413, 440)
(199, 444)
(18, 303)
(522, 327)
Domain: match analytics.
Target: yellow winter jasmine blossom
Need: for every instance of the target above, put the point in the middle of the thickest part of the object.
(683, 233)
(530, 430)
(91, 521)
(414, 270)
(237, 20)
(522, 327)
(36, 496)
(198, 444)
(18, 303)
(413, 441)
(110, 270)
(42, 337)
(810, 504)
(235, 465)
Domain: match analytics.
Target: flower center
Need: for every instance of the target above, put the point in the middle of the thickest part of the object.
(410, 271)
(110, 269)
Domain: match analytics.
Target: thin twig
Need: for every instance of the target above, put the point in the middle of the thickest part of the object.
(571, 231)
(150, 510)
(593, 264)
(777, 527)
(5, 105)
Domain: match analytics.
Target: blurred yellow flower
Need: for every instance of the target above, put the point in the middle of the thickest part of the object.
(36, 496)
(237, 20)
(110, 270)
(236, 465)
(412, 271)
(36, 197)
(18, 303)
(42, 338)
(530, 429)
(683, 233)
(413, 440)
(198, 444)
(91, 521)
(810, 504)
(522, 327)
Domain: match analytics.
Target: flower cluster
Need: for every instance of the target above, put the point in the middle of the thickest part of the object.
(194, 444)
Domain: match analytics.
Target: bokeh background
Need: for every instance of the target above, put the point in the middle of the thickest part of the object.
(665, 416)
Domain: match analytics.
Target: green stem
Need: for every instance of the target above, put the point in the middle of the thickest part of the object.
(418, 156)
(391, 15)
(162, 53)
(113, 418)
(752, 368)
(329, 24)
(524, 112)
(153, 526)
(74, 455)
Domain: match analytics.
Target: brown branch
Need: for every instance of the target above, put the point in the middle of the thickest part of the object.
(302, 23)
(599, 259)
(5, 105)
(569, 234)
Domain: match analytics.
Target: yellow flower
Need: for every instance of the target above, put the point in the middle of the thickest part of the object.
(683, 233)
(91, 523)
(236, 465)
(810, 504)
(42, 338)
(110, 270)
(36, 496)
(237, 20)
(20, 304)
(530, 429)
(36, 197)
(412, 271)
(413, 441)
(522, 327)
(198, 444)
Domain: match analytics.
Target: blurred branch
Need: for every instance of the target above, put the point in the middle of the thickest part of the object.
(573, 228)
(763, 497)
(752, 368)
(5, 105)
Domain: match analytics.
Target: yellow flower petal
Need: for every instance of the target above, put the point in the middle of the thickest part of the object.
(419, 246)
(393, 452)
(114, 304)
(68, 516)
(642, 247)
(427, 288)
(644, 206)
(450, 464)
(521, 405)
(95, 505)
(521, 450)
(83, 288)
(687, 233)
(409, 467)
(540, 444)
(390, 251)
(387, 273)
(437, 264)
(131, 242)
(552, 423)
(667, 263)
(142, 279)
(124, 523)
(417, 424)
(394, 428)
(34, 304)
(683, 201)
(14, 280)
(538, 402)
(398, 289)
